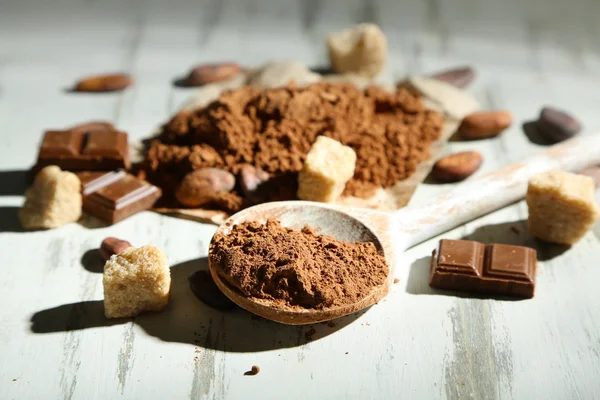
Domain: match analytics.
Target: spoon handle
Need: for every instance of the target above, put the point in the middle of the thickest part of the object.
(489, 192)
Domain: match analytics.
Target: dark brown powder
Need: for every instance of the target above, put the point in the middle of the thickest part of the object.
(296, 268)
(273, 129)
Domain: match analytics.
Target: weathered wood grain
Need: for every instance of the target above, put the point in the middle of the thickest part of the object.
(418, 342)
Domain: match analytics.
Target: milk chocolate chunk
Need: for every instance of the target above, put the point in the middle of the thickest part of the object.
(114, 196)
(470, 266)
(78, 150)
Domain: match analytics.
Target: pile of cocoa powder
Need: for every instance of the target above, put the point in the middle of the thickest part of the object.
(273, 130)
(296, 268)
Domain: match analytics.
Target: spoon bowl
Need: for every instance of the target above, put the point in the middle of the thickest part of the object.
(393, 232)
(326, 221)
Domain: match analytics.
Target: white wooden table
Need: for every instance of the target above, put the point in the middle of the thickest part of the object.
(418, 343)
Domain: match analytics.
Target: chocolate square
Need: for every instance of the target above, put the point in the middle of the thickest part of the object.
(510, 262)
(493, 269)
(114, 196)
(106, 144)
(460, 256)
(61, 144)
(93, 181)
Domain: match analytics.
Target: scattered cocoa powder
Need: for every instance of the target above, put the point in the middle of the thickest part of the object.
(296, 269)
(273, 129)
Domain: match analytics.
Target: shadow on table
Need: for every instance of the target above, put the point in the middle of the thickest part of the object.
(188, 320)
(9, 219)
(73, 91)
(512, 233)
(431, 180)
(456, 137)
(182, 83)
(516, 233)
(92, 261)
(89, 222)
(13, 183)
(322, 69)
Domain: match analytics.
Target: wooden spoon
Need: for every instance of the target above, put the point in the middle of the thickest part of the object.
(393, 233)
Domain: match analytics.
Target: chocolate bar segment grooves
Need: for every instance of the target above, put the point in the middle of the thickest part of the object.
(76, 150)
(114, 196)
(512, 262)
(461, 256)
(470, 266)
(61, 144)
(98, 180)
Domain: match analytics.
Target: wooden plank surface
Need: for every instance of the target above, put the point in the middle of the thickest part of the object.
(417, 343)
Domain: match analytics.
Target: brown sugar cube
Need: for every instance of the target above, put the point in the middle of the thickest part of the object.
(562, 208)
(328, 166)
(53, 200)
(135, 281)
(360, 49)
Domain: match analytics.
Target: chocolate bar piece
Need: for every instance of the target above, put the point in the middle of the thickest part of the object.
(114, 196)
(471, 266)
(78, 150)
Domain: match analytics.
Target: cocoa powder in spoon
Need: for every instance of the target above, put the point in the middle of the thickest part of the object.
(297, 269)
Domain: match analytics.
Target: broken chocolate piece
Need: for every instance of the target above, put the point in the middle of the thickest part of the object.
(78, 150)
(114, 196)
(474, 267)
